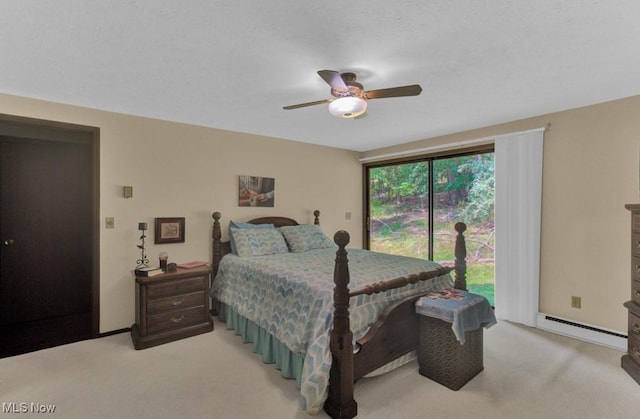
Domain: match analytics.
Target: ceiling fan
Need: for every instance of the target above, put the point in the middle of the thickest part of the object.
(350, 97)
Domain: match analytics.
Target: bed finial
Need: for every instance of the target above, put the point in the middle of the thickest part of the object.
(216, 235)
(461, 256)
(341, 238)
(316, 219)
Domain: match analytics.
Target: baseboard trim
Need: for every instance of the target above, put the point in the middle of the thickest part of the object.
(582, 331)
(113, 332)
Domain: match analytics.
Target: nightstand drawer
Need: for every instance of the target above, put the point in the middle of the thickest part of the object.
(634, 347)
(175, 319)
(176, 302)
(170, 288)
(635, 243)
(634, 325)
(635, 291)
(635, 267)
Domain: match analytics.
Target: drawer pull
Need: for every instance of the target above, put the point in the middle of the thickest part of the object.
(177, 319)
(636, 352)
(176, 303)
(637, 244)
(636, 327)
(637, 294)
(637, 268)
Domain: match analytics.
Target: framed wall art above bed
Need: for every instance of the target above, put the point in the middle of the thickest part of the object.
(256, 191)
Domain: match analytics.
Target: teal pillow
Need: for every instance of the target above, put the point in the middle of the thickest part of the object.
(259, 241)
(306, 237)
(236, 225)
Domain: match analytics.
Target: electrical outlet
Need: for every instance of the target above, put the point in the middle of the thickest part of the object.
(347, 215)
(110, 222)
(576, 302)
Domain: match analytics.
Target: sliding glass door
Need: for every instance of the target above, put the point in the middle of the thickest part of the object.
(399, 209)
(412, 207)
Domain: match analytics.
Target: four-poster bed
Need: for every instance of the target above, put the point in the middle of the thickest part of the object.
(382, 303)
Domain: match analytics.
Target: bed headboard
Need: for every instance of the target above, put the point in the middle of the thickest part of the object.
(221, 248)
(277, 221)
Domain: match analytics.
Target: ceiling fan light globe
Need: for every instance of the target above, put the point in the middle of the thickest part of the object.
(348, 107)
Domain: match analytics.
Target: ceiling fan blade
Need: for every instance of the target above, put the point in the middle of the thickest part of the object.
(412, 90)
(333, 79)
(304, 105)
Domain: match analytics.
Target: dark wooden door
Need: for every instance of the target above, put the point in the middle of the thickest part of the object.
(47, 233)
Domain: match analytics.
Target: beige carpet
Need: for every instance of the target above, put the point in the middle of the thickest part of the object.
(528, 374)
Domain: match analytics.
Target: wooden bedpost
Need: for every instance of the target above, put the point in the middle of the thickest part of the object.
(316, 219)
(216, 235)
(340, 403)
(461, 258)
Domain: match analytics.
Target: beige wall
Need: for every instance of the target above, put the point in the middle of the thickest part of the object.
(591, 170)
(179, 170)
(591, 158)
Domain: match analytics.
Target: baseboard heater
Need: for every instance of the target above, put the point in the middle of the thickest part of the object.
(585, 332)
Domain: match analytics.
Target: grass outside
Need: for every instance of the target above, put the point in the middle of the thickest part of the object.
(480, 280)
(406, 234)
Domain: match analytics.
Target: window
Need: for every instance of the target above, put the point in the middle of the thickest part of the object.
(413, 205)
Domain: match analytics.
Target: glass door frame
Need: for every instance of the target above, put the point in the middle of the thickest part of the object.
(430, 158)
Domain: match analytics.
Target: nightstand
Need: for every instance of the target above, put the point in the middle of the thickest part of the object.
(171, 306)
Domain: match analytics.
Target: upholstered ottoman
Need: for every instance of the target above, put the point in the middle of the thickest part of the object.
(450, 349)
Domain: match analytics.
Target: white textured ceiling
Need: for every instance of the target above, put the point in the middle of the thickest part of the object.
(234, 64)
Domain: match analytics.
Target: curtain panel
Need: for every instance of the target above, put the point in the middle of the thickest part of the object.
(518, 207)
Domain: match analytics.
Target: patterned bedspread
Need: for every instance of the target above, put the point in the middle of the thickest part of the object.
(291, 296)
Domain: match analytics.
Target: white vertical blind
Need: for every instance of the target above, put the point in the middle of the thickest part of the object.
(518, 183)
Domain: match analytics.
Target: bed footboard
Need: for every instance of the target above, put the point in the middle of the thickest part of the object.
(394, 334)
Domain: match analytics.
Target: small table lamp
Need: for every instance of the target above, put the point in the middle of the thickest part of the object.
(143, 261)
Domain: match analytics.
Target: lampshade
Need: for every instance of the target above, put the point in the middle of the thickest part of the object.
(348, 107)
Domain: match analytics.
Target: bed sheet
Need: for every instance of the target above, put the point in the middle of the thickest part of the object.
(290, 296)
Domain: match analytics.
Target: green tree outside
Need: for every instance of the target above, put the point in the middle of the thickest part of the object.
(463, 190)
